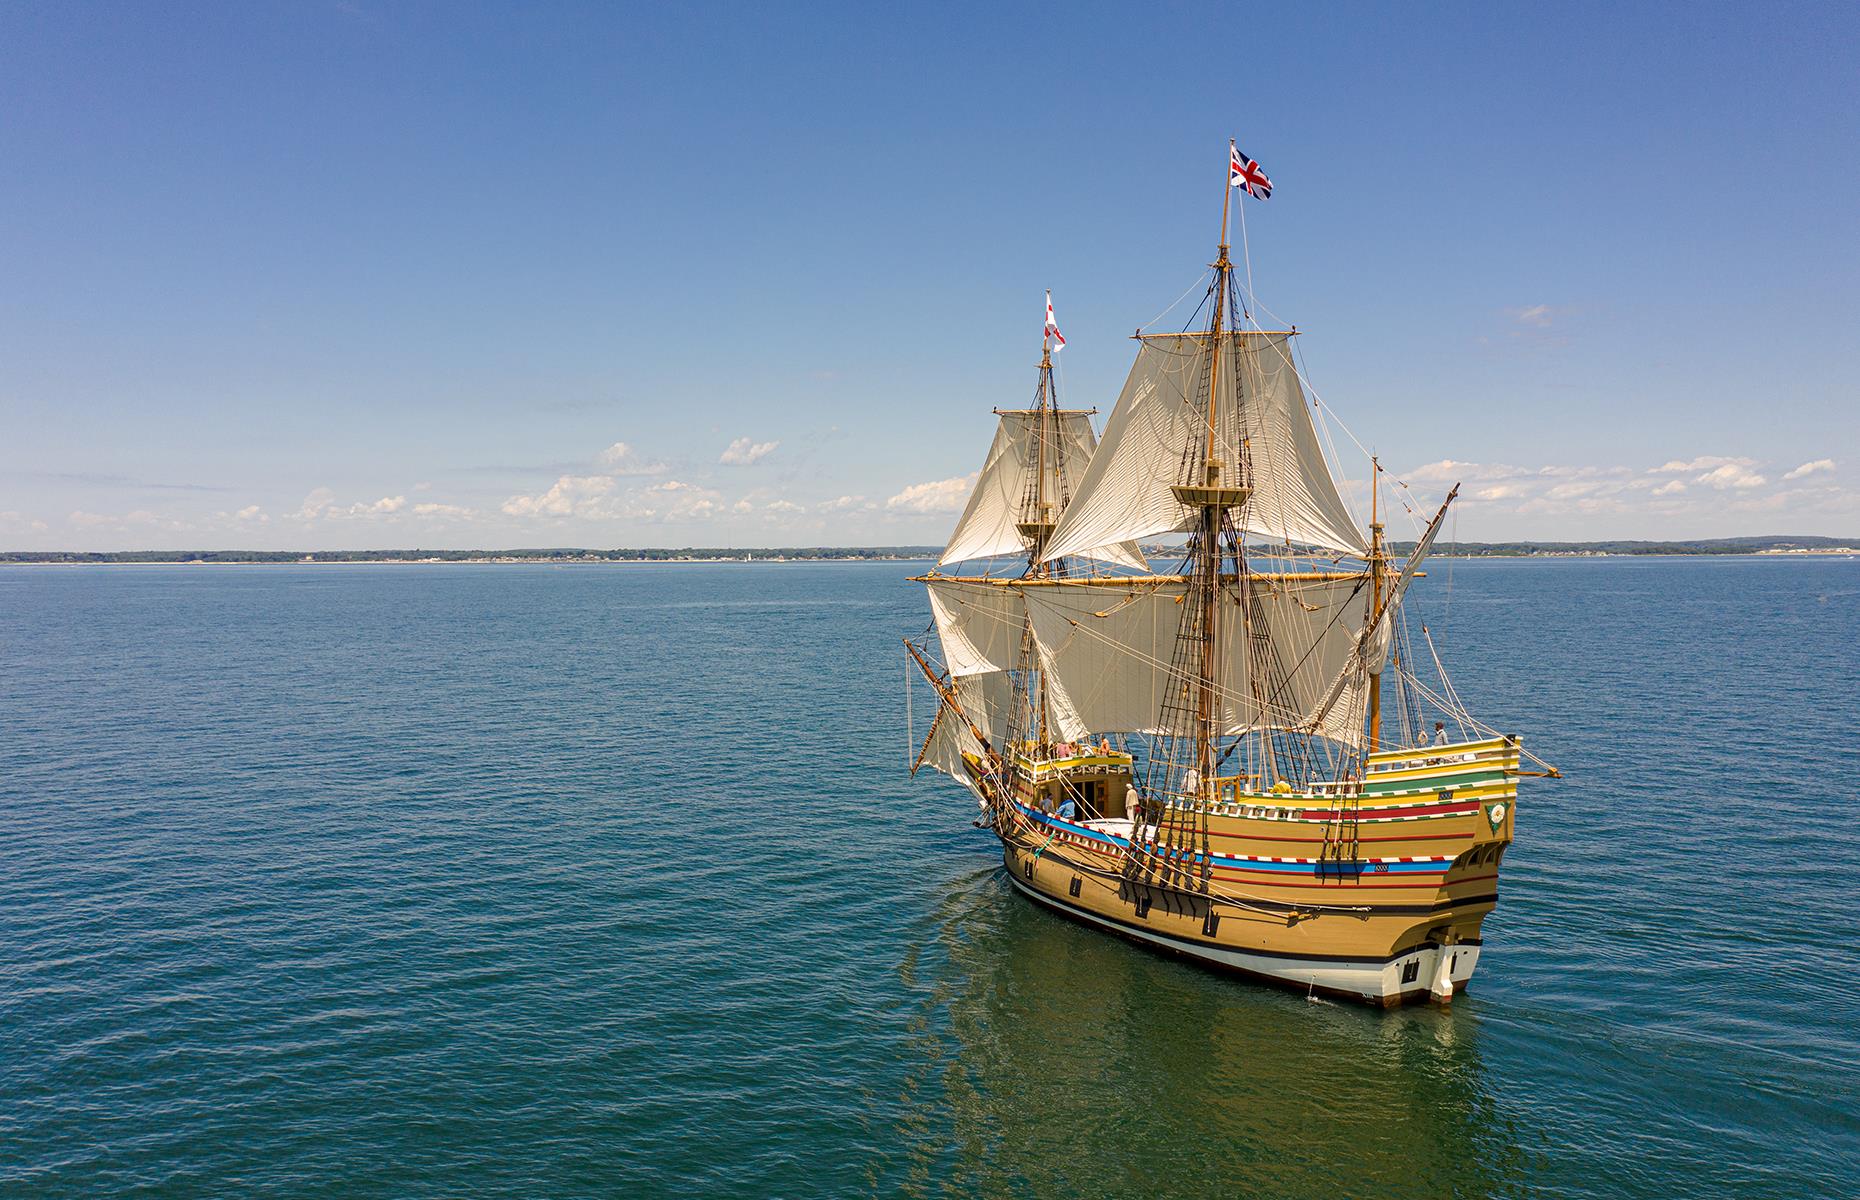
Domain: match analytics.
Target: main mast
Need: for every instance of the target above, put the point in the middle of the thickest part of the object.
(1215, 493)
(1376, 557)
(1038, 508)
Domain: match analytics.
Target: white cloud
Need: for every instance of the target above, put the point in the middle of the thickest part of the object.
(1702, 463)
(250, 512)
(673, 501)
(321, 504)
(314, 504)
(385, 506)
(622, 459)
(139, 520)
(1732, 475)
(783, 506)
(17, 520)
(442, 510)
(1809, 468)
(743, 451)
(572, 495)
(843, 503)
(1449, 470)
(599, 498)
(938, 496)
(1670, 489)
(1539, 315)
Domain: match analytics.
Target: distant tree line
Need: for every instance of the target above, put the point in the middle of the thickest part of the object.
(1736, 545)
(545, 555)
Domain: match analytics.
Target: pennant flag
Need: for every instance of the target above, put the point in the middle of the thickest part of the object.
(1244, 172)
(1052, 326)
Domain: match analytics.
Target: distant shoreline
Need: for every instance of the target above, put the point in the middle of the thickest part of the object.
(1780, 546)
(334, 561)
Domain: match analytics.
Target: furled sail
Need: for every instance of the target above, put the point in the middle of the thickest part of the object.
(1157, 434)
(1376, 645)
(1007, 494)
(1371, 653)
(1108, 653)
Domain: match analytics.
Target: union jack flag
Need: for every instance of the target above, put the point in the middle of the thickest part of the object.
(1246, 173)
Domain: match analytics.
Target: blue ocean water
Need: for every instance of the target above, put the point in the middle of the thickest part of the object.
(596, 881)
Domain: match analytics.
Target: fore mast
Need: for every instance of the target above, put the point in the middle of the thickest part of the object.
(1046, 485)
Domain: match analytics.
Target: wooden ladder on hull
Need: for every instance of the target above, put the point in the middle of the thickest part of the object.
(1338, 859)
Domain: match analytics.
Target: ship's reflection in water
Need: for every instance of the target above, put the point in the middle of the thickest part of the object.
(1054, 1060)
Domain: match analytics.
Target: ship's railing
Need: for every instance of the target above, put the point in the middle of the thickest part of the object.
(1418, 756)
(1115, 761)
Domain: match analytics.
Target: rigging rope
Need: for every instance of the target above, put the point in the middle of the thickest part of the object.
(1199, 280)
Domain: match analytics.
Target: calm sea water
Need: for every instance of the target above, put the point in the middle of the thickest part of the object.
(602, 881)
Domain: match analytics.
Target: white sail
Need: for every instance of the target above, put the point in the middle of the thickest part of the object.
(1105, 654)
(950, 738)
(1108, 653)
(1005, 495)
(1118, 554)
(986, 702)
(1157, 432)
(979, 622)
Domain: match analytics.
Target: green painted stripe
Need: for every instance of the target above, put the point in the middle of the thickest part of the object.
(1432, 783)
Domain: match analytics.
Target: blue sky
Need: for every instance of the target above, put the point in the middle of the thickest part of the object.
(322, 275)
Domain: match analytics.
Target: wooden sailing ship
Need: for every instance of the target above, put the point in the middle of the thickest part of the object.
(1232, 761)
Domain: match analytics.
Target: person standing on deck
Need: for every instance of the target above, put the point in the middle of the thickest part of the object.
(1440, 733)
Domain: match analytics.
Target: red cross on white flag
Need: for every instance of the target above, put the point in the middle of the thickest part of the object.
(1052, 326)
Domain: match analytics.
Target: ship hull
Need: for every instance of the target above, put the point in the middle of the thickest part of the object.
(1370, 980)
(1384, 907)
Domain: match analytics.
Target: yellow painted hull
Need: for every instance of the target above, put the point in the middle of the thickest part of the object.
(1378, 896)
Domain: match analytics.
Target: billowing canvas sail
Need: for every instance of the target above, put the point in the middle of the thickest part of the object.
(987, 701)
(950, 738)
(1108, 653)
(1006, 495)
(980, 624)
(1105, 654)
(1157, 433)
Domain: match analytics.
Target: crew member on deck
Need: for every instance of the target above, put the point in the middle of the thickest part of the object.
(1067, 810)
(1440, 733)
